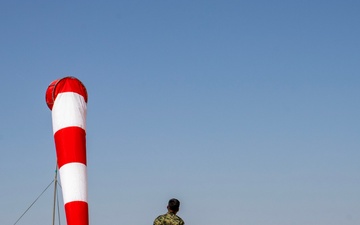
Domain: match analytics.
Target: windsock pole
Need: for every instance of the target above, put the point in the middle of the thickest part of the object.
(55, 194)
(67, 99)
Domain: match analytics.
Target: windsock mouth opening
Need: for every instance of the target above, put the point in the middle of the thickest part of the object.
(66, 84)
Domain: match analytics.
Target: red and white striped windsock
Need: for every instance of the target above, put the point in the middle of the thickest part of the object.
(67, 99)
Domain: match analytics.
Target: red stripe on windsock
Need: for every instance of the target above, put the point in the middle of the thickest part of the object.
(66, 84)
(70, 145)
(77, 213)
(70, 84)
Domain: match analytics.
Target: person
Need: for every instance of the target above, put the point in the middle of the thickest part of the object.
(170, 218)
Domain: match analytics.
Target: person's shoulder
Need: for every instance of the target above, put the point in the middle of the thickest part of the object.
(181, 221)
(160, 217)
(158, 220)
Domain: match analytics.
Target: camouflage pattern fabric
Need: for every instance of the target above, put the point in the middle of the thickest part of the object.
(168, 219)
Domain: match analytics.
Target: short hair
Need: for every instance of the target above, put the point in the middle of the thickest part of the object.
(174, 204)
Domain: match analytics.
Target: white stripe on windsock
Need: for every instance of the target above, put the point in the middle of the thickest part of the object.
(73, 178)
(69, 110)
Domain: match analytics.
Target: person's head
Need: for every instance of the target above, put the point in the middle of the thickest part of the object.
(173, 205)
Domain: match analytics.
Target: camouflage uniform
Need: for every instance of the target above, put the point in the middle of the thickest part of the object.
(168, 219)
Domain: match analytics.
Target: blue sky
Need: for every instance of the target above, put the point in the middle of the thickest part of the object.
(247, 111)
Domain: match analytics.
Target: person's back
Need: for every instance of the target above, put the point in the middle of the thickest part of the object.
(170, 218)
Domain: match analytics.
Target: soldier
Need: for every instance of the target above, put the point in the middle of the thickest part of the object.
(170, 218)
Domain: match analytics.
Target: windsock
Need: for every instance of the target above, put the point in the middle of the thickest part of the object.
(67, 99)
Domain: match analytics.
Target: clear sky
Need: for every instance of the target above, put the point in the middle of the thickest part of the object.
(246, 111)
